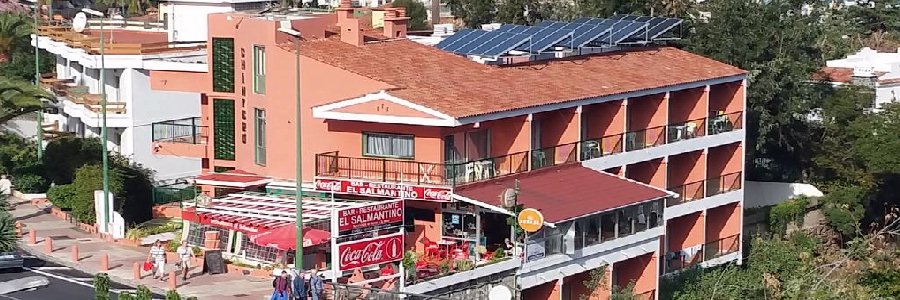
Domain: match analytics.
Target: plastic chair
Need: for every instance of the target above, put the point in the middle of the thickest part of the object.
(431, 248)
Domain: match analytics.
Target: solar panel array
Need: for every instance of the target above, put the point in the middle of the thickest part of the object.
(583, 32)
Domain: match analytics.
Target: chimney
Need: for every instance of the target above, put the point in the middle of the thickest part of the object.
(344, 12)
(395, 20)
(435, 12)
(351, 32)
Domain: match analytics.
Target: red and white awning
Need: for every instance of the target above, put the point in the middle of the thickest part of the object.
(233, 178)
(256, 212)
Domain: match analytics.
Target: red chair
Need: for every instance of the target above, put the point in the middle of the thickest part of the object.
(431, 248)
(388, 270)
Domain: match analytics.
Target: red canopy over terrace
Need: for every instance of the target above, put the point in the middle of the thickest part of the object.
(284, 237)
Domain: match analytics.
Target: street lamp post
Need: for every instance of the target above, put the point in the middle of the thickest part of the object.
(298, 256)
(103, 131)
(37, 81)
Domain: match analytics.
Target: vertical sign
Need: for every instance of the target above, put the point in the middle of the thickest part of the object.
(243, 96)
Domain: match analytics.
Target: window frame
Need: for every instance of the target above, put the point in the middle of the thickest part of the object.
(365, 145)
(259, 69)
(259, 136)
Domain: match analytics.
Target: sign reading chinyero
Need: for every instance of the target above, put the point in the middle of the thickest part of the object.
(358, 254)
(381, 189)
(383, 213)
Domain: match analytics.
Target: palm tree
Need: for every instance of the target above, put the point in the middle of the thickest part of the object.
(7, 232)
(19, 98)
(15, 31)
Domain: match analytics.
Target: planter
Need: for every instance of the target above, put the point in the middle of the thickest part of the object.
(245, 271)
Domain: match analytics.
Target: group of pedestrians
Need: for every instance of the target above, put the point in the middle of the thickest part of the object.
(157, 257)
(298, 286)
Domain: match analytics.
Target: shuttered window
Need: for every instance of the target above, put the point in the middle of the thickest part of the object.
(223, 64)
(223, 123)
(259, 69)
(260, 136)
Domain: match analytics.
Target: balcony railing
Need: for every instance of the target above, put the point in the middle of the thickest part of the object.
(678, 260)
(332, 164)
(726, 122)
(705, 188)
(91, 44)
(187, 131)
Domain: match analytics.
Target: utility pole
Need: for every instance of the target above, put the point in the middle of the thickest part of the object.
(37, 81)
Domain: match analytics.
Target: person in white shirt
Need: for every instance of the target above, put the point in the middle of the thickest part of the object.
(185, 254)
(158, 257)
(5, 189)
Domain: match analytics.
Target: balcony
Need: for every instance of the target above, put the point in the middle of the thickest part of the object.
(697, 190)
(91, 44)
(332, 164)
(677, 261)
(184, 137)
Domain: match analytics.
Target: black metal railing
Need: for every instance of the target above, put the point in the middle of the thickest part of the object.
(721, 247)
(686, 130)
(645, 138)
(187, 131)
(688, 192)
(705, 188)
(722, 123)
(723, 184)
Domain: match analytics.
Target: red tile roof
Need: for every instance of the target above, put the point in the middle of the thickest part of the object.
(460, 87)
(565, 192)
(233, 176)
(836, 74)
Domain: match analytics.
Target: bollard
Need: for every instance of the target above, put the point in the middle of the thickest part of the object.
(18, 229)
(173, 280)
(137, 271)
(75, 253)
(48, 244)
(104, 262)
(32, 236)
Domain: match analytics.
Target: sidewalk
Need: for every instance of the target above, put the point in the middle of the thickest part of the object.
(122, 259)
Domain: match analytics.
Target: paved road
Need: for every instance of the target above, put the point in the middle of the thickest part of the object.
(65, 283)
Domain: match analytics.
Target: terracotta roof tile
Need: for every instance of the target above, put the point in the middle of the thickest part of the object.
(565, 192)
(837, 74)
(460, 87)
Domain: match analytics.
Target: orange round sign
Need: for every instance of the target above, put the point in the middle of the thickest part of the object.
(531, 220)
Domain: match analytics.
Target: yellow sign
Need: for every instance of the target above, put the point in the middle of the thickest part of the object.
(531, 220)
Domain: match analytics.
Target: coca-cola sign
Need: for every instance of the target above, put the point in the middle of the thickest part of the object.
(383, 213)
(383, 189)
(365, 253)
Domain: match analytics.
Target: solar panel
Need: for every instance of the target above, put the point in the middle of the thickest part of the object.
(513, 41)
(545, 23)
(623, 32)
(618, 17)
(455, 47)
(461, 34)
(628, 17)
(536, 33)
(505, 27)
(556, 24)
(643, 19)
(584, 37)
(663, 27)
(489, 38)
(548, 41)
(582, 20)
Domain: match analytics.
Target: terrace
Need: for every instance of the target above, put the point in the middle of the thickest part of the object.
(332, 164)
(80, 96)
(132, 42)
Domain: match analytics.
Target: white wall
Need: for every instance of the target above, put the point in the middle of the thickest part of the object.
(154, 106)
(759, 194)
(188, 21)
(888, 94)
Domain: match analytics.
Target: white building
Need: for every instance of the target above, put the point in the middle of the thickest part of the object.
(879, 70)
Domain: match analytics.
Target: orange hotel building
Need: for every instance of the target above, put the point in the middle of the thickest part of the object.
(635, 157)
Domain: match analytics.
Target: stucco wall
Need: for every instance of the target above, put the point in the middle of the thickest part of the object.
(761, 194)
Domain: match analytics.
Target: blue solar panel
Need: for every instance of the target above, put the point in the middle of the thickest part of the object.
(643, 19)
(581, 20)
(548, 41)
(505, 27)
(461, 34)
(618, 17)
(465, 41)
(626, 17)
(512, 41)
(545, 23)
(489, 38)
(663, 27)
(556, 24)
(536, 34)
(623, 32)
(584, 37)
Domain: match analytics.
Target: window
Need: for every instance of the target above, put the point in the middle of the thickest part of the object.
(260, 136)
(223, 128)
(196, 235)
(257, 252)
(259, 69)
(388, 145)
(223, 64)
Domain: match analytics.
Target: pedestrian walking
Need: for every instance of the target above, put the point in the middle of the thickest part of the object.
(5, 190)
(298, 285)
(282, 286)
(316, 285)
(185, 255)
(157, 256)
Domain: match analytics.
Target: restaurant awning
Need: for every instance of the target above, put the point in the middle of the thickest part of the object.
(256, 212)
(232, 178)
(565, 192)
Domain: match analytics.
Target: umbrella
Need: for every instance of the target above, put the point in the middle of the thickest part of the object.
(283, 237)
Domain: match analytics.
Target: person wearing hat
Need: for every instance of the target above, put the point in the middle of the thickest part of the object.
(185, 254)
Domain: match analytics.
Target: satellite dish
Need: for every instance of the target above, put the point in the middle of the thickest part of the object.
(508, 198)
(79, 22)
(500, 292)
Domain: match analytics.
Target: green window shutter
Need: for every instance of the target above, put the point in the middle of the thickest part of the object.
(223, 64)
(260, 135)
(223, 122)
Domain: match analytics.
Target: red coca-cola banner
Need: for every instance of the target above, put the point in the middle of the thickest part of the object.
(370, 215)
(365, 253)
(382, 189)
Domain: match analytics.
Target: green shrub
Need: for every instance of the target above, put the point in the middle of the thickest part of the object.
(88, 179)
(416, 11)
(8, 236)
(172, 295)
(62, 196)
(31, 183)
(126, 296)
(101, 286)
(843, 208)
(151, 229)
(786, 212)
(143, 293)
(67, 154)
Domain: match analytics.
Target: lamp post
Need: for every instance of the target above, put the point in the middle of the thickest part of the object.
(298, 256)
(37, 81)
(103, 131)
